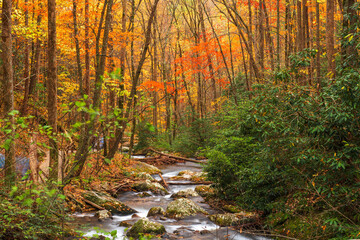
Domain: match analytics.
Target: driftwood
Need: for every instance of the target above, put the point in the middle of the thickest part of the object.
(176, 157)
(163, 180)
(190, 183)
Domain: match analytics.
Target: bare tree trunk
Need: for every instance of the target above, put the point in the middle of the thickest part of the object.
(26, 63)
(52, 87)
(8, 90)
(330, 28)
(318, 46)
(77, 47)
(87, 50)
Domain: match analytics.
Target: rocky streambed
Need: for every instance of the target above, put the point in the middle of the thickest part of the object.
(178, 212)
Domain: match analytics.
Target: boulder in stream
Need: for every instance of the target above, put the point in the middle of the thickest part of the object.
(205, 190)
(183, 207)
(186, 193)
(104, 200)
(156, 211)
(143, 175)
(103, 214)
(147, 185)
(144, 226)
(230, 219)
(140, 167)
(190, 176)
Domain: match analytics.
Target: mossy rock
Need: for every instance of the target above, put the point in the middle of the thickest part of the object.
(190, 176)
(183, 207)
(103, 214)
(125, 224)
(143, 176)
(145, 226)
(144, 194)
(186, 193)
(225, 220)
(140, 167)
(156, 211)
(232, 208)
(147, 185)
(109, 203)
(230, 219)
(205, 190)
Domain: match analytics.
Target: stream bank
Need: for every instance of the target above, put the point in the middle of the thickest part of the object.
(194, 227)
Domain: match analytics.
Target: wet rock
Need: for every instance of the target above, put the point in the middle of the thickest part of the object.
(186, 193)
(144, 176)
(140, 167)
(163, 218)
(183, 207)
(156, 211)
(232, 219)
(103, 214)
(125, 224)
(205, 191)
(147, 185)
(144, 226)
(106, 201)
(144, 194)
(203, 232)
(225, 220)
(135, 216)
(190, 176)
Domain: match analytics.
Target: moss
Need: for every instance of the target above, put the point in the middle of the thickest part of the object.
(147, 185)
(145, 226)
(205, 190)
(140, 167)
(156, 211)
(183, 207)
(106, 201)
(185, 194)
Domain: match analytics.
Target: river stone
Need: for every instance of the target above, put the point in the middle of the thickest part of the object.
(185, 193)
(225, 220)
(144, 176)
(125, 224)
(205, 190)
(190, 176)
(109, 203)
(103, 214)
(147, 185)
(144, 226)
(156, 211)
(230, 219)
(183, 207)
(140, 167)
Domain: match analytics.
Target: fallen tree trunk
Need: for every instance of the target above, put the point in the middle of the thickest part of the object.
(176, 157)
(163, 180)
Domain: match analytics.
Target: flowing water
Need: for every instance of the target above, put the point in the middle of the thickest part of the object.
(195, 227)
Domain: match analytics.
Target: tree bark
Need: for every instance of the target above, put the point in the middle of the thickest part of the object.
(330, 28)
(52, 87)
(8, 90)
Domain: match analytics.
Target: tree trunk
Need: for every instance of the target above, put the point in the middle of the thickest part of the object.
(8, 90)
(330, 28)
(52, 87)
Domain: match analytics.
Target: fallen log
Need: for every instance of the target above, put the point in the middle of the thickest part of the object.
(163, 180)
(176, 157)
(190, 183)
(93, 204)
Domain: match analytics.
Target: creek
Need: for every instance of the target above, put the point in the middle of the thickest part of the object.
(193, 228)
